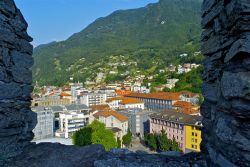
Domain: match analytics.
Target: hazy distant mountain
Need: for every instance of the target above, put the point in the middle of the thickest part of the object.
(159, 31)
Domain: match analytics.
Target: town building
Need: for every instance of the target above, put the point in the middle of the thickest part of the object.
(96, 98)
(73, 118)
(65, 95)
(56, 111)
(125, 102)
(91, 99)
(177, 126)
(157, 101)
(193, 136)
(45, 123)
(189, 97)
(138, 121)
(140, 89)
(76, 88)
(171, 83)
(112, 119)
(122, 92)
(50, 102)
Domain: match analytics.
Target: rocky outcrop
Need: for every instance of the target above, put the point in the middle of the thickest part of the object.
(226, 88)
(16, 118)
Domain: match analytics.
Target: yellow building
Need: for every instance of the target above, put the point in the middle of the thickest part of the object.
(192, 137)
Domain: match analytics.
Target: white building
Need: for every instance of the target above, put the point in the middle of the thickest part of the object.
(125, 102)
(91, 99)
(171, 83)
(75, 89)
(98, 98)
(45, 123)
(141, 89)
(72, 119)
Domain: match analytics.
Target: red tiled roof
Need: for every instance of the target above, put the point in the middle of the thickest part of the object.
(108, 112)
(158, 95)
(123, 92)
(64, 94)
(184, 104)
(186, 107)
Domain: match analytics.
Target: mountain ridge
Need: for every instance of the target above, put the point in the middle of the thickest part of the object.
(163, 27)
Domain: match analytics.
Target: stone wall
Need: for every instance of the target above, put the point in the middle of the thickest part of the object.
(226, 88)
(16, 118)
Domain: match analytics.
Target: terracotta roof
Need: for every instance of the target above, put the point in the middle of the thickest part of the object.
(99, 107)
(158, 95)
(114, 99)
(108, 112)
(186, 107)
(184, 104)
(123, 92)
(125, 100)
(64, 94)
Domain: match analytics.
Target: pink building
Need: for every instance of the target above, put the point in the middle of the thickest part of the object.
(173, 124)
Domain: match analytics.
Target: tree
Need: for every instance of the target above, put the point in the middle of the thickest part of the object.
(126, 139)
(200, 100)
(95, 133)
(151, 141)
(119, 142)
(175, 146)
(164, 144)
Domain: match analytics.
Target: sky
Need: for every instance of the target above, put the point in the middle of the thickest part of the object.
(56, 20)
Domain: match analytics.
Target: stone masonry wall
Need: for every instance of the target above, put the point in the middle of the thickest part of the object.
(226, 110)
(16, 118)
(226, 88)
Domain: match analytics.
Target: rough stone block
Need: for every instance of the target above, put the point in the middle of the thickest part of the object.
(21, 59)
(10, 90)
(210, 15)
(7, 7)
(5, 57)
(240, 47)
(21, 75)
(236, 85)
(209, 91)
(23, 45)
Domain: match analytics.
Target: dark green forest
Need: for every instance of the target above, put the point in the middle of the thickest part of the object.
(154, 35)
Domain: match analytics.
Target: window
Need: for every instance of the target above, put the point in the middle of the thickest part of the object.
(195, 140)
(192, 146)
(192, 133)
(195, 134)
